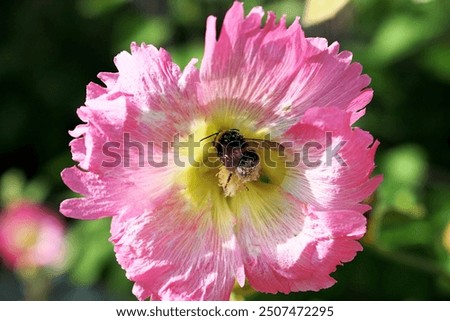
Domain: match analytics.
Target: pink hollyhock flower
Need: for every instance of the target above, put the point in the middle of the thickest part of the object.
(30, 236)
(188, 232)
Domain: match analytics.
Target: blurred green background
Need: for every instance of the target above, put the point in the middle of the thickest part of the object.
(51, 49)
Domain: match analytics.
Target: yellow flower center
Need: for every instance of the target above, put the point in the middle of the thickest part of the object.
(253, 186)
(26, 236)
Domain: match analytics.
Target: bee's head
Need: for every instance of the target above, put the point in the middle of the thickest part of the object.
(231, 138)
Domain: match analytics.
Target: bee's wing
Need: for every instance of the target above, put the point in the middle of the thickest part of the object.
(255, 143)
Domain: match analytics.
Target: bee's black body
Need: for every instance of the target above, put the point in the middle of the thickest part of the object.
(235, 153)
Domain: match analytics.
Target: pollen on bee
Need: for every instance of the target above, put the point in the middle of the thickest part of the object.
(232, 182)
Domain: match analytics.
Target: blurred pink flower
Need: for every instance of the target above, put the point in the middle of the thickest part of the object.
(188, 232)
(30, 236)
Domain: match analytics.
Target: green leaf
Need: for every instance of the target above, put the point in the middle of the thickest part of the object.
(95, 8)
(36, 190)
(117, 283)
(397, 36)
(89, 250)
(440, 209)
(185, 11)
(408, 31)
(12, 184)
(405, 165)
(406, 202)
(406, 234)
(182, 55)
(404, 169)
(436, 60)
(14, 187)
(155, 31)
(291, 8)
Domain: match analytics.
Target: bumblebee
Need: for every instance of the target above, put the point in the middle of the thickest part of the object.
(239, 158)
(236, 153)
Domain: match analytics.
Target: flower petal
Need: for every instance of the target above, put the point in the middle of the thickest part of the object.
(166, 98)
(30, 236)
(149, 98)
(336, 161)
(283, 262)
(124, 143)
(175, 254)
(267, 219)
(121, 190)
(275, 73)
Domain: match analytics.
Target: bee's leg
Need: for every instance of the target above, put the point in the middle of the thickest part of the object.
(228, 180)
